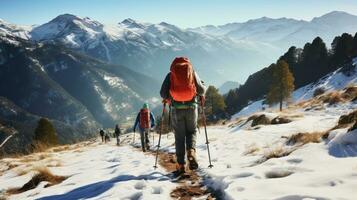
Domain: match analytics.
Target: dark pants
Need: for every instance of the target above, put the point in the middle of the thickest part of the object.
(144, 136)
(102, 136)
(184, 123)
(118, 139)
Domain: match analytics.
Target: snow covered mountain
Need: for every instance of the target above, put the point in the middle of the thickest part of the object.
(287, 32)
(218, 52)
(55, 82)
(150, 48)
(226, 86)
(14, 30)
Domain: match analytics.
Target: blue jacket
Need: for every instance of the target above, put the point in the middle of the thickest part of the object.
(137, 121)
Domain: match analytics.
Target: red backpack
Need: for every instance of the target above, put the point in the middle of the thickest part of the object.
(144, 118)
(182, 80)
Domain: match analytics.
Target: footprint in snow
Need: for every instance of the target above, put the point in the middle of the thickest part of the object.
(278, 173)
(136, 196)
(294, 160)
(140, 185)
(242, 175)
(156, 190)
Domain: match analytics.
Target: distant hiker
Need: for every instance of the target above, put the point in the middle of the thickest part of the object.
(146, 120)
(183, 88)
(106, 138)
(117, 133)
(101, 132)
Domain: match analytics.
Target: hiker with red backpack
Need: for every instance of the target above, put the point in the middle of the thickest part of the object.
(183, 89)
(146, 120)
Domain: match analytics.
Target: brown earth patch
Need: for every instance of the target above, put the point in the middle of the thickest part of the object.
(43, 175)
(188, 188)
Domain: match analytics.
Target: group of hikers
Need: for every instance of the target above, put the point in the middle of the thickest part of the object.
(183, 91)
(105, 136)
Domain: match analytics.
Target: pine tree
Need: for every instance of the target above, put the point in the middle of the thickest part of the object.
(231, 101)
(342, 48)
(215, 104)
(282, 85)
(45, 132)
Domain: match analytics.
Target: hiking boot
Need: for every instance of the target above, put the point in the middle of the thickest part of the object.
(180, 169)
(192, 161)
(147, 146)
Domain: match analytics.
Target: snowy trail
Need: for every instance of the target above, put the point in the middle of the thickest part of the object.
(325, 170)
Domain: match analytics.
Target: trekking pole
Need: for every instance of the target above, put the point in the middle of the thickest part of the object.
(205, 126)
(161, 129)
(134, 138)
(153, 138)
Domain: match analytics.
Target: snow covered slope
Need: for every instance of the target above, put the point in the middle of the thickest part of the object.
(249, 163)
(336, 80)
(96, 171)
(323, 170)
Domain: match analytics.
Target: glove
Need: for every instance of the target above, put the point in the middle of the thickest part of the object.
(166, 101)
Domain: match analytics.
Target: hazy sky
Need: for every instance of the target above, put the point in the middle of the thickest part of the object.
(184, 13)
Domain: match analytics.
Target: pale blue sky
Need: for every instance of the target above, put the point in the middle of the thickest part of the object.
(184, 13)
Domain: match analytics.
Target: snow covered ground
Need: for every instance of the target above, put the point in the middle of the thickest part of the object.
(96, 171)
(325, 170)
(313, 171)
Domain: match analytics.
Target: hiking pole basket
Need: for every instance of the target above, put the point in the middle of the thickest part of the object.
(205, 126)
(161, 130)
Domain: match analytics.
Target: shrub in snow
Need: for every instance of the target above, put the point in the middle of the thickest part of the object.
(304, 138)
(319, 91)
(259, 120)
(346, 120)
(350, 93)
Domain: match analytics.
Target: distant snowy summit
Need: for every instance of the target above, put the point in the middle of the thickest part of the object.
(285, 30)
(216, 51)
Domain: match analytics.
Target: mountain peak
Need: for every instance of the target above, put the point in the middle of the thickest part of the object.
(131, 23)
(66, 17)
(337, 13)
(335, 17)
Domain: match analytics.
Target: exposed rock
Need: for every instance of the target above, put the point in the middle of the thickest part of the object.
(261, 120)
(280, 120)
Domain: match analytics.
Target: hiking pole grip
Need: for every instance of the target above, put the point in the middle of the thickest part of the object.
(161, 130)
(205, 127)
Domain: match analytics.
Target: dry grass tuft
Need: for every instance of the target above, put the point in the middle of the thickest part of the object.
(277, 152)
(304, 138)
(43, 174)
(251, 149)
(60, 148)
(347, 120)
(350, 92)
(23, 171)
(39, 147)
(332, 98)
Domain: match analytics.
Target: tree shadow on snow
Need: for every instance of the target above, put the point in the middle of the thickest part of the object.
(98, 188)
